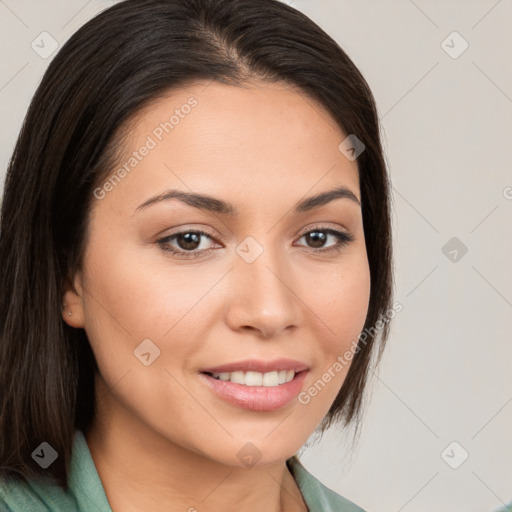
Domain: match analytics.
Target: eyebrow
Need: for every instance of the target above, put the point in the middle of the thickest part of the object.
(212, 204)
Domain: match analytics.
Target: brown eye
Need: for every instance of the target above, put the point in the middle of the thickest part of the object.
(186, 244)
(188, 241)
(317, 238)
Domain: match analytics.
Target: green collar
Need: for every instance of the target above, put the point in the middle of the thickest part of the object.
(86, 493)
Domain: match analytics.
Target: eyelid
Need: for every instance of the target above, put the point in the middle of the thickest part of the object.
(325, 227)
(318, 226)
(188, 229)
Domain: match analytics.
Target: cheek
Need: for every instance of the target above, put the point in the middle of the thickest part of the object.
(341, 301)
(136, 291)
(131, 296)
(136, 295)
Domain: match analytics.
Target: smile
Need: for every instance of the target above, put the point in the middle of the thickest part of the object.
(255, 393)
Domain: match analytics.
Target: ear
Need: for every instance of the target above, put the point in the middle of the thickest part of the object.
(72, 302)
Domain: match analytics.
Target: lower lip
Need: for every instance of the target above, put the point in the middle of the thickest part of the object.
(257, 398)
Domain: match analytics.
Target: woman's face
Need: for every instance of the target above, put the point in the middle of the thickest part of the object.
(269, 287)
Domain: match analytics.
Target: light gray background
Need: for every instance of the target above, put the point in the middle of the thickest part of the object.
(447, 132)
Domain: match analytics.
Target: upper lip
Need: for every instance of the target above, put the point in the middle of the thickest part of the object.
(255, 365)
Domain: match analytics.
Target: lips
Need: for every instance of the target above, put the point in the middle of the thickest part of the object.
(251, 384)
(256, 398)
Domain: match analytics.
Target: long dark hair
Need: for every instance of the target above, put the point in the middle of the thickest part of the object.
(111, 68)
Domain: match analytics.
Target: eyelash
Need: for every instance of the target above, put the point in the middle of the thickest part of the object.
(343, 239)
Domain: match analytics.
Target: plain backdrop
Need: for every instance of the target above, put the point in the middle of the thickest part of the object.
(437, 431)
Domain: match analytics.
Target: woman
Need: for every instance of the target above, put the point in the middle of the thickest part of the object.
(195, 257)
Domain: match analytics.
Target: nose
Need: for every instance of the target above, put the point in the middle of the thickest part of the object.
(262, 297)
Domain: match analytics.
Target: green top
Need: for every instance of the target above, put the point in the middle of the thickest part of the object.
(505, 508)
(86, 493)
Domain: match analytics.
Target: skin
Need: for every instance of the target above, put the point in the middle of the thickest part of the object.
(161, 440)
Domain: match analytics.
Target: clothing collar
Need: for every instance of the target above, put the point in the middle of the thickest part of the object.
(85, 484)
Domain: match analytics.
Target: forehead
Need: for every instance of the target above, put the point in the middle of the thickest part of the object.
(227, 140)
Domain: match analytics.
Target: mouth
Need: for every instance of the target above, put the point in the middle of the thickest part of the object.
(256, 391)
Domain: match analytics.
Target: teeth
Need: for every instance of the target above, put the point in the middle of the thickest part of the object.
(270, 379)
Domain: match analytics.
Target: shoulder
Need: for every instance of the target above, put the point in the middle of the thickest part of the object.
(34, 495)
(42, 494)
(317, 496)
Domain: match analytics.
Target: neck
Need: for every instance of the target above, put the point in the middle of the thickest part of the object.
(142, 470)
